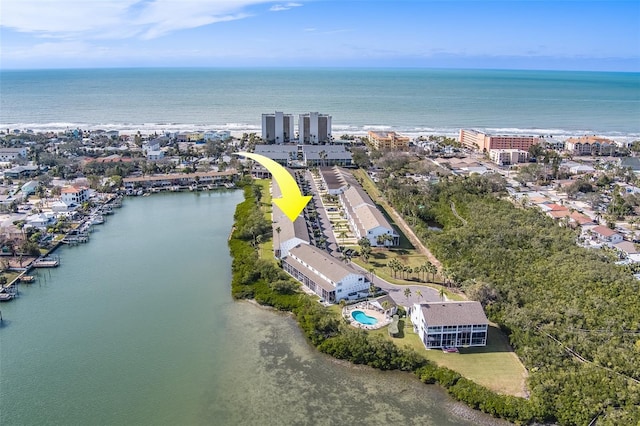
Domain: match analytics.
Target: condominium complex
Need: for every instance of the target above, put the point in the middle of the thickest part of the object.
(505, 157)
(388, 140)
(450, 324)
(314, 128)
(364, 217)
(325, 275)
(476, 140)
(590, 145)
(278, 127)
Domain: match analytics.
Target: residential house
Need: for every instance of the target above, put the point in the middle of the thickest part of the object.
(29, 188)
(21, 172)
(450, 324)
(41, 220)
(10, 154)
(606, 235)
(74, 195)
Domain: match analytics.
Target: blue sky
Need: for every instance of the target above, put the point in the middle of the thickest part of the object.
(564, 35)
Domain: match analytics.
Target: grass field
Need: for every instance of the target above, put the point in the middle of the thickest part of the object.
(494, 366)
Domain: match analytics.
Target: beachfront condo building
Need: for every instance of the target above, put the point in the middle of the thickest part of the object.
(388, 140)
(479, 141)
(450, 324)
(314, 128)
(278, 127)
(590, 145)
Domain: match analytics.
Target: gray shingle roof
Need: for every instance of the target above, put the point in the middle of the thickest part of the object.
(321, 261)
(453, 313)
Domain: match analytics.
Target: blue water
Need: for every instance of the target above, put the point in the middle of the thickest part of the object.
(363, 318)
(413, 101)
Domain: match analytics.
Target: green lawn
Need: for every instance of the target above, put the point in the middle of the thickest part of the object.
(380, 258)
(494, 366)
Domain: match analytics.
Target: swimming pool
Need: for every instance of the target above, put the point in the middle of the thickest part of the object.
(363, 318)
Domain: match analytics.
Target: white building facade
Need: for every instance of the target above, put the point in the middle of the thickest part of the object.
(278, 127)
(450, 324)
(74, 195)
(323, 274)
(314, 128)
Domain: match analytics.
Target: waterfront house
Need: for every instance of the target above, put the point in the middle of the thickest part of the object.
(450, 324)
(41, 220)
(74, 195)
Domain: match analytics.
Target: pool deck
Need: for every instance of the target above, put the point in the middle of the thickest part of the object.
(369, 310)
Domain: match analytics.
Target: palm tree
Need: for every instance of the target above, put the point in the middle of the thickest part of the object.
(343, 235)
(278, 230)
(407, 293)
(442, 293)
(419, 294)
(371, 272)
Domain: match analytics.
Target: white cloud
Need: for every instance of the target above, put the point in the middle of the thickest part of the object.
(281, 7)
(117, 19)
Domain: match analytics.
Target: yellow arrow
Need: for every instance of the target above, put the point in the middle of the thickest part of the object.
(292, 201)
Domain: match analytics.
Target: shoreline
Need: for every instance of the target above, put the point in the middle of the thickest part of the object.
(238, 129)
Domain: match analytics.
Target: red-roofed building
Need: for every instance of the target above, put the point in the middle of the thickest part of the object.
(606, 235)
(74, 195)
(581, 219)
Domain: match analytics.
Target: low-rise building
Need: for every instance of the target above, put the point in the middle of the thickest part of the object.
(359, 209)
(450, 324)
(506, 157)
(388, 140)
(590, 145)
(606, 235)
(328, 277)
(9, 154)
(21, 172)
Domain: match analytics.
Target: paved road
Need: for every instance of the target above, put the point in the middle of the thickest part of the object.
(397, 291)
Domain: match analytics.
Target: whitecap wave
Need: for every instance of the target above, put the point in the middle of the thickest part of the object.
(237, 128)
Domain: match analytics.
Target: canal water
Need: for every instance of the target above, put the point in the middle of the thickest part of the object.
(137, 327)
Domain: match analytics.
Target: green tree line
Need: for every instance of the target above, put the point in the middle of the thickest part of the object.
(572, 315)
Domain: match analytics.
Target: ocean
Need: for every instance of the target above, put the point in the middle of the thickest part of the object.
(410, 101)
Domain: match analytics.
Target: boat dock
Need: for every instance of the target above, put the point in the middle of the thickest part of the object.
(46, 262)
